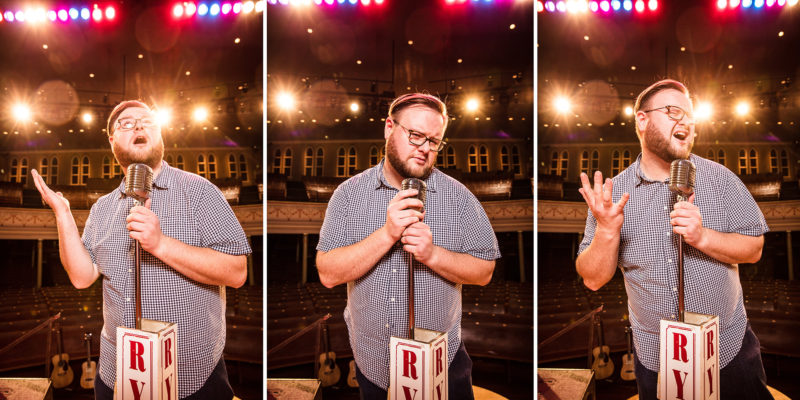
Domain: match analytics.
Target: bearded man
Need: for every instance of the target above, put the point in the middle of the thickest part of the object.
(192, 247)
(371, 224)
(720, 223)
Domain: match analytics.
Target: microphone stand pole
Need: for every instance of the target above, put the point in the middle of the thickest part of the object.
(138, 279)
(681, 308)
(410, 296)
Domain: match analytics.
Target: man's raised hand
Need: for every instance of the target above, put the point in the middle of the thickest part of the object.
(609, 215)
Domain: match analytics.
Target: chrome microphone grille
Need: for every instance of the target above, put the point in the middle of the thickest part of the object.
(139, 182)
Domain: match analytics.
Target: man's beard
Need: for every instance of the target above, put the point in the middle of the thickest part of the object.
(151, 157)
(401, 166)
(660, 145)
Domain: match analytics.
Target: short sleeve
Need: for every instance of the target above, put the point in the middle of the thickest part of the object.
(332, 235)
(588, 233)
(744, 215)
(88, 236)
(219, 228)
(478, 235)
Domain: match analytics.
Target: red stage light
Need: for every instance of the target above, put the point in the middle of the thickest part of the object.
(111, 12)
(604, 5)
(652, 5)
(97, 14)
(189, 9)
(733, 3)
(593, 6)
(639, 5)
(237, 7)
(62, 15)
(770, 3)
(721, 4)
(226, 8)
(177, 11)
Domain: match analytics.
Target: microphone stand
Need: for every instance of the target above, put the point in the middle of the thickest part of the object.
(138, 278)
(681, 307)
(410, 296)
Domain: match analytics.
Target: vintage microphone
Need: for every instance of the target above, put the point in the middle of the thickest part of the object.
(681, 182)
(138, 184)
(413, 183)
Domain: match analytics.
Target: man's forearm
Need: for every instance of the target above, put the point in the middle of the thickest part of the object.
(345, 264)
(74, 257)
(731, 248)
(461, 267)
(597, 264)
(201, 264)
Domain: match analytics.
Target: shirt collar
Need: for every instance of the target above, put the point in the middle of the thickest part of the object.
(641, 178)
(162, 181)
(380, 178)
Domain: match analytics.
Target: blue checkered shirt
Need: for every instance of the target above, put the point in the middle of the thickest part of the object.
(194, 211)
(377, 302)
(648, 252)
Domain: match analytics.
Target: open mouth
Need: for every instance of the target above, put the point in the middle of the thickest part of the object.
(680, 135)
(140, 140)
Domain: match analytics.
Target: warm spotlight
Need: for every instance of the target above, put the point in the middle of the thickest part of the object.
(285, 101)
(354, 107)
(628, 110)
(87, 117)
(742, 108)
(703, 112)
(21, 112)
(562, 105)
(200, 114)
(163, 116)
(472, 105)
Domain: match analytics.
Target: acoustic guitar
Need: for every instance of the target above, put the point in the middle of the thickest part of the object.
(89, 367)
(602, 366)
(351, 376)
(627, 371)
(329, 372)
(62, 373)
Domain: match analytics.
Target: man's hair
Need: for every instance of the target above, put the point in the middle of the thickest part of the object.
(643, 100)
(422, 99)
(112, 119)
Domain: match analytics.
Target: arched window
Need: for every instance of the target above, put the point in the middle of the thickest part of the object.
(168, 159)
(111, 168)
(773, 161)
(721, 156)
(483, 159)
(505, 159)
(346, 162)
(784, 162)
(282, 162)
(559, 163)
(243, 168)
(318, 164)
(779, 164)
(626, 159)
(201, 166)
(472, 159)
(585, 163)
(595, 161)
(233, 166)
(80, 171)
(510, 161)
(19, 170)
(616, 163)
(446, 158)
(212, 167)
(179, 162)
(375, 155)
(748, 162)
(711, 155)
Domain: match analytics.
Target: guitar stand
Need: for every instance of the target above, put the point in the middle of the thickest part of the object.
(48, 323)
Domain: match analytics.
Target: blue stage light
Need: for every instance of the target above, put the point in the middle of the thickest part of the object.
(550, 6)
(758, 3)
(214, 9)
(627, 5)
(85, 13)
(747, 3)
(202, 9)
(353, 1)
(73, 13)
(615, 4)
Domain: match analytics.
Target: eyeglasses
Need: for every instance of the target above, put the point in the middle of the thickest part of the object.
(419, 139)
(127, 124)
(674, 113)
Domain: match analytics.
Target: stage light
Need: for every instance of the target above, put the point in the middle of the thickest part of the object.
(51, 15)
(214, 9)
(97, 14)
(781, 3)
(353, 1)
(237, 7)
(163, 116)
(639, 5)
(190, 9)
(550, 6)
(792, 3)
(285, 101)
(202, 9)
(628, 110)
(652, 5)
(571, 6)
(20, 16)
(703, 112)
(733, 3)
(583, 6)
(472, 105)
(627, 5)
(770, 3)
(226, 8)
(21, 112)
(364, 2)
(615, 4)
(593, 6)
(62, 15)
(87, 117)
(378, 1)
(758, 3)
(9, 16)
(354, 107)
(177, 11)
(85, 13)
(722, 4)
(561, 6)
(562, 105)
(200, 114)
(259, 5)
(605, 6)
(747, 3)
(73, 13)
(539, 6)
(742, 108)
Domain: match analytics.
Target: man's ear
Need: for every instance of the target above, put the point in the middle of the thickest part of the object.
(642, 120)
(387, 128)
(111, 140)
